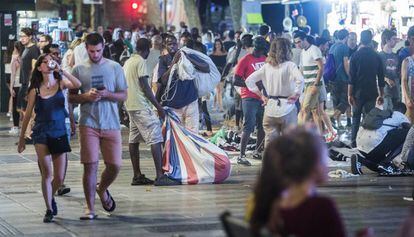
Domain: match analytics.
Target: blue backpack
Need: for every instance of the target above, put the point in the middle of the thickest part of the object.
(329, 71)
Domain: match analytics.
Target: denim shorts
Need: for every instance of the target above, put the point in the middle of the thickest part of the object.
(43, 130)
(253, 114)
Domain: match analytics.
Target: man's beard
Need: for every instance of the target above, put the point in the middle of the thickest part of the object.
(96, 61)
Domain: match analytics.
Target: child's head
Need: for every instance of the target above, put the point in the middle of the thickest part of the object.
(296, 157)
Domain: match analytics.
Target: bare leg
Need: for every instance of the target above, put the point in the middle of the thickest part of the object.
(325, 119)
(44, 162)
(316, 119)
(134, 155)
(89, 184)
(156, 151)
(59, 171)
(220, 96)
(107, 177)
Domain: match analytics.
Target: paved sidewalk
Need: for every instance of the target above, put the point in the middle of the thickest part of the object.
(172, 211)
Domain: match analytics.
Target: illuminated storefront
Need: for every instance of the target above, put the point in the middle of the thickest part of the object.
(377, 15)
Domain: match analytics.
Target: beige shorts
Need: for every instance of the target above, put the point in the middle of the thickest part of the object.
(144, 126)
(310, 102)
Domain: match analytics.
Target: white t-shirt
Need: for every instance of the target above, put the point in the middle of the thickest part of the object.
(296, 56)
(308, 63)
(284, 80)
(367, 140)
(80, 53)
(152, 60)
(65, 61)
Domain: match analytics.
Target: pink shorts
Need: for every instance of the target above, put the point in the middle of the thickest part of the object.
(110, 142)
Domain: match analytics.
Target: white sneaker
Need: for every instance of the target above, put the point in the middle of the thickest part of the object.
(11, 119)
(14, 130)
(8, 114)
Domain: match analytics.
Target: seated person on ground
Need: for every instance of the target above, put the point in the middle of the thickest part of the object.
(380, 139)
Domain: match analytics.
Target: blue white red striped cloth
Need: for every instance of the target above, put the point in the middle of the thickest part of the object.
(189, 158)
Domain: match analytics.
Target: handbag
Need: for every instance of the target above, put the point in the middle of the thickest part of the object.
(58, 145)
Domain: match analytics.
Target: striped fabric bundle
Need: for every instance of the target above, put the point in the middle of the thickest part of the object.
(189, 158)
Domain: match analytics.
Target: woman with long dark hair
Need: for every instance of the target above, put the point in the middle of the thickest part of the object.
(49, 132)
(285, 198)
(218, 57)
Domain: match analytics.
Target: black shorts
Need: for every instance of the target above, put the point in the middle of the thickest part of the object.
(339, 94)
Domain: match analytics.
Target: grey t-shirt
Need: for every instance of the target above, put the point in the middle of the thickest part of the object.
(104, 113)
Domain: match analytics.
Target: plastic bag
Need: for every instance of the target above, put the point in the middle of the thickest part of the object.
(189, 158)
(204, 82)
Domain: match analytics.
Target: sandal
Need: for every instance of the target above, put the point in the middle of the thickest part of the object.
(88, 217)
(104, 204)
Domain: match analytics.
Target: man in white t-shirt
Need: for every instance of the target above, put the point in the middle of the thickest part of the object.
(311, 64)
(145, 125)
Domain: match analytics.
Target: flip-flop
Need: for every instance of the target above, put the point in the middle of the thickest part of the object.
(112, 208)
(88, 217)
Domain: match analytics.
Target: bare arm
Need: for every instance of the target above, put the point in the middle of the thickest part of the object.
(404, 83)
(88, 97)
(319, 62)
(29, 110)
(346, 65)
(143, 83)
(113, 96)
(14, 68)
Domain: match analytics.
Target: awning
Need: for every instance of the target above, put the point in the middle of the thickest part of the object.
(18, 5)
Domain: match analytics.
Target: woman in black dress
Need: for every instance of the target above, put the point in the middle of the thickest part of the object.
(219, 58)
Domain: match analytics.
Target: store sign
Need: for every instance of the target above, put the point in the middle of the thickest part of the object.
(8, 20)
(92, 1)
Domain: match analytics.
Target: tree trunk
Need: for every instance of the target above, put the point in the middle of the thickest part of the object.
(236, 12)
(192, 13)
(154, 13)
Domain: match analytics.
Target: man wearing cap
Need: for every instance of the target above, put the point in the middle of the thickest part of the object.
(251, 103)
(365, 67)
